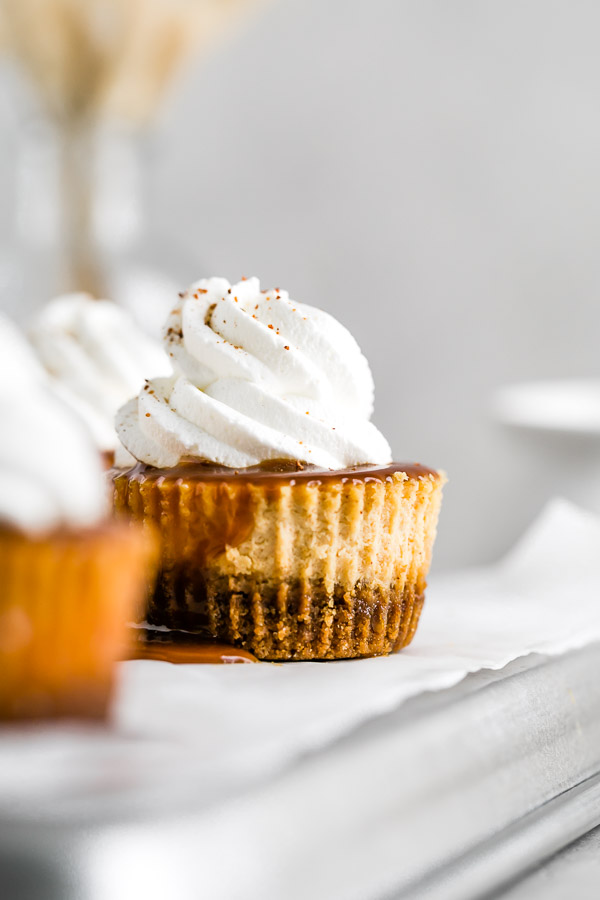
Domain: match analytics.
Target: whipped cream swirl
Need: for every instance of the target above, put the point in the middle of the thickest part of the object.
(257, 377)
(98, 358)
(50, 471)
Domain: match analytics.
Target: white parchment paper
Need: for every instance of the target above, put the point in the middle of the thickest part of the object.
(215, 727)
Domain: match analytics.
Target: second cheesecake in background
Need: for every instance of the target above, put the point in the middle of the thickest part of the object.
(97, 357)
(71, 578)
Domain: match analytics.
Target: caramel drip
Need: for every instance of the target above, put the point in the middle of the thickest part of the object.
(196, 524)
(228, 522)
(107, 458)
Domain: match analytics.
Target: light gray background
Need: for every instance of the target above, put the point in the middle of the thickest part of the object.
(427, 171)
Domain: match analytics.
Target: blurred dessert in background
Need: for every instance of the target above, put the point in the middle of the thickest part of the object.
(97, 358)
(95, 73)
(71, 578)
(285, 527)
(112, 58)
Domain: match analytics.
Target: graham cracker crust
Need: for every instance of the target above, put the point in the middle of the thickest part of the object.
(289, 622)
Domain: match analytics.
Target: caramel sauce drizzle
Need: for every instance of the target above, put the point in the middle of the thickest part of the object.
(280, 470)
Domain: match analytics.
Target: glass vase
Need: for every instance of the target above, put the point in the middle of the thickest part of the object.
(80, 224)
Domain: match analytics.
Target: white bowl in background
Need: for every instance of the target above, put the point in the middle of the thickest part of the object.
(569, 406)
(554, 432)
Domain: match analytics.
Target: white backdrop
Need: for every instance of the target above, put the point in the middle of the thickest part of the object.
(428, 172)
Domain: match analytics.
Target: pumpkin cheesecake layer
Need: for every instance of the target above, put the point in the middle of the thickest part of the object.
(289, 561)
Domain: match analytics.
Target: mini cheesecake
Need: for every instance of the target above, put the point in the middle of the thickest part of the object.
(66, 601)
(285, 560)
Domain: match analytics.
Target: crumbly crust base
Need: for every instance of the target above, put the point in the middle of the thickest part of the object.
(289, 622)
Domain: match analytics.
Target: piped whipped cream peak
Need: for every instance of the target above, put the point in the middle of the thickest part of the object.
(97, 356)
(50, 471)
(257, 376)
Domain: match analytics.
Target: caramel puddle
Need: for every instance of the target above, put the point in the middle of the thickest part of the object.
(180, 647)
